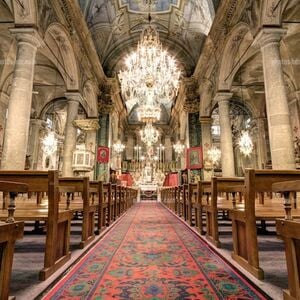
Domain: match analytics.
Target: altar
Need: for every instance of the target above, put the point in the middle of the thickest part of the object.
(148, 192)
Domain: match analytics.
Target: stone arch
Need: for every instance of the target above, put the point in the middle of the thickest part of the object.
(25, 12)
(238, 42)
(90, 96)
(58, 40)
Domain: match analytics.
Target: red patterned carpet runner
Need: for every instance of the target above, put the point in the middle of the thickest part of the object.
(150, 254)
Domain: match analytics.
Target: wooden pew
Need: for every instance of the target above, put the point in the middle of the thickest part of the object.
(289, 231)
(57, 221)
(215, 204)
(107, 204)
(245, 244)
(195, 203)
(9, 233)
(98, 189)
(82, 204)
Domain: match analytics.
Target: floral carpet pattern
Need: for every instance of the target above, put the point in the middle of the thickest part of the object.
(150, 254)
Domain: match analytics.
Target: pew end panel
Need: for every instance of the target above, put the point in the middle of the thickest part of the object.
(56, 250)
(9, 233)
(289, 232)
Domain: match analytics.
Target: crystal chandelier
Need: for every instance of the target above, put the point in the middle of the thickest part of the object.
(49, 143)
(148, 113)
(245, 143)
(214, 154)
(151, 71)
(118, 147)
(178, 148)
(149, 135)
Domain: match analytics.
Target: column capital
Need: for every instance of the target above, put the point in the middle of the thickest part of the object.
(74, 96)
(268, 36)
(28, 36)
(37, 121)
(205, 85)
(205, 120)
(223, 96)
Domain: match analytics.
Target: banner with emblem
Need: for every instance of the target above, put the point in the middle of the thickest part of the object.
(102, 154)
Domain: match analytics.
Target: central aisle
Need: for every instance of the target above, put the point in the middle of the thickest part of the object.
(150, 254)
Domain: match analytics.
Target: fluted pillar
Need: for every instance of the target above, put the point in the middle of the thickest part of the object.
(227, 157)
(19, 106)
(280, 131)
(70, 133)
(206, 143)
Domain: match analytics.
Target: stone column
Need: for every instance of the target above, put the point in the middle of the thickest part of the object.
(227, 157)
(280, 131)
(129, 147)
(91, 140)
(261, 143)
(168, 149)
(70, 133)
(19, 106)
(34, 142)
(206, 144)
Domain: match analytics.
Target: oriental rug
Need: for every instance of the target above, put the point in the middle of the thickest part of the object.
(150, 254)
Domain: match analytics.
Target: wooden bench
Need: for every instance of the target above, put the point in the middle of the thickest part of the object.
(57, 221)
(83, 205)
(196, 202)
(244, 231)
(289, 231)
(216, 204)
(9, 233)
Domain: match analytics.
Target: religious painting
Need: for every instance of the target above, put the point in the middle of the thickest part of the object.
(194, 158)
(103, 154)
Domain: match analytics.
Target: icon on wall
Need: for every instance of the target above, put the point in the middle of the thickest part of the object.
(194, 158)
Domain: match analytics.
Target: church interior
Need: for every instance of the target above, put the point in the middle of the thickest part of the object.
(150, 149)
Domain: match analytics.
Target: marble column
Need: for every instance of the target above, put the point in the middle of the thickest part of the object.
(70, 133)
(34, 142)
(19, 106)
(227, 157)
(280, 131)
(206, 144)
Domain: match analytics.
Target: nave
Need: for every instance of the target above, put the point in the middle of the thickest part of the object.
(151, 254)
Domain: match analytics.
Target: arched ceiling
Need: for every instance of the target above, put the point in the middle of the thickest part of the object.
(116, 26)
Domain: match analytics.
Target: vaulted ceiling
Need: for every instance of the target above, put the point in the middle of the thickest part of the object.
(116, 26)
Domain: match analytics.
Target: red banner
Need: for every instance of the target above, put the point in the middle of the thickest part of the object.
(103, 154)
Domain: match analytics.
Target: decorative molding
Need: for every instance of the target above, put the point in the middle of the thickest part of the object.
(87, 124)
(192, 97)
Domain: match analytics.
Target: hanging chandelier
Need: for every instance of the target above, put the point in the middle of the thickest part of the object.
(49, 143)
(148, 113)
(245, 143)
(178, 148)
(149, 135)
(151, 71)
(118, 147)
(214, 155)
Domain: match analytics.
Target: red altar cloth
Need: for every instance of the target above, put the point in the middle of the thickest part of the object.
(126, 179)
(171, 179)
